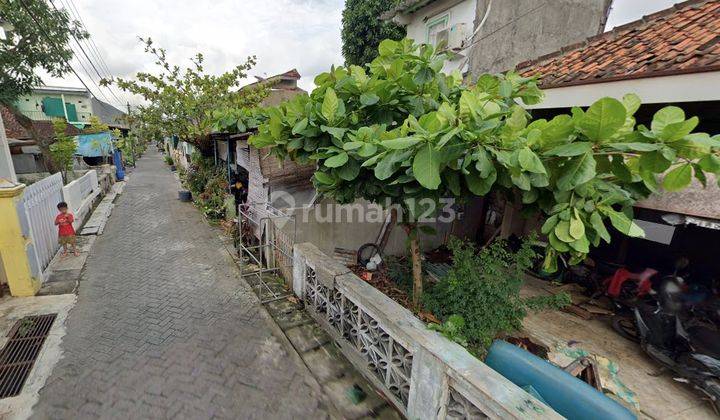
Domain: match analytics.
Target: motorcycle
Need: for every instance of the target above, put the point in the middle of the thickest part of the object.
(691, 353)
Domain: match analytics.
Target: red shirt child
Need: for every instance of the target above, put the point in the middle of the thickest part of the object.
(66, 232)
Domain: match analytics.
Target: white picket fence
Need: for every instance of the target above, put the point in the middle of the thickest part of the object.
(39, 203)
(38, 209)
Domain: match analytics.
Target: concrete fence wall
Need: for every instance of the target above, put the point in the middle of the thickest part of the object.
(80, 195)
(424, 374)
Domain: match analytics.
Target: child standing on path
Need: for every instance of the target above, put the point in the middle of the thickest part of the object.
(66, 231)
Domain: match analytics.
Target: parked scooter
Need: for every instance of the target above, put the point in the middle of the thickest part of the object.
(692, 353)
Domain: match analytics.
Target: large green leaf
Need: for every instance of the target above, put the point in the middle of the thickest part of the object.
(401, 142)
(276, 128)
(336, 132)
(426, 167)
(577, 228)
(577, 171)
(300, 126)
(482, 162)
(623, 224)
(678, 130)
(367, 150)
(599, 226)
(330, 105)
(710, 163)
(387, 47)
(665, 116)
(479, 185)
(353, 145)
(603, 119)
(324, 178)
(654, 162)
(530, 162)
(581, 245)
(678, 178)
(337, 160)
(631, 102)
(562, 231)
(570, 149)
(369, 98)
(350, 170)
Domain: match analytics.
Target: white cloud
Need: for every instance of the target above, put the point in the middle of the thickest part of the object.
(283, 34)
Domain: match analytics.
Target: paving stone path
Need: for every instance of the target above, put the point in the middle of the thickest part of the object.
(164, 327)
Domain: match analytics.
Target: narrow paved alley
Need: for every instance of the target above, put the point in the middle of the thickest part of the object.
(165, 328)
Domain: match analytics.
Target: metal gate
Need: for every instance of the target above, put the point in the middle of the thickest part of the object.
(265, 245)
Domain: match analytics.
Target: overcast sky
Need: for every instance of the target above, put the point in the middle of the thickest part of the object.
(283, 34)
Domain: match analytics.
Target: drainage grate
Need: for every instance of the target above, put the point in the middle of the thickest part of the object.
(20, 352)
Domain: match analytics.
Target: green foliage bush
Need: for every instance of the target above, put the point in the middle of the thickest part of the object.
(362, 30)
(208, 185)
(479, 299)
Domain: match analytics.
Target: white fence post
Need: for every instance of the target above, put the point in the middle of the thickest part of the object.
(38, 210)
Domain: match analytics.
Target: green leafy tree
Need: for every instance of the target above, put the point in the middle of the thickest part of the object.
(407, 133)
(181, 100)
(96, 126)
(37, 37)
(62, 150)
(362, 29)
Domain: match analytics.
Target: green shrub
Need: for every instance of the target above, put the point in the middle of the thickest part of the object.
(479, 299)
(207, 184)
(169, 160)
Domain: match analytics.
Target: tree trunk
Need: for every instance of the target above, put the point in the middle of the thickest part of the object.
(416, 264)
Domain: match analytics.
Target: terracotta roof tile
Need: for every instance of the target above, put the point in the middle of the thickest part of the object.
(682, 39)
(16, 123)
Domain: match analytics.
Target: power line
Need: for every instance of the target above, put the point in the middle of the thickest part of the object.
(52, 43)
(90, 62)
(70, 6)
(92, 42)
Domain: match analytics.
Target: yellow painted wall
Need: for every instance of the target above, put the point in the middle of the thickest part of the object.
(13, 246)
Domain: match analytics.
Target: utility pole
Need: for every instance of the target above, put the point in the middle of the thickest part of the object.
(132, 140)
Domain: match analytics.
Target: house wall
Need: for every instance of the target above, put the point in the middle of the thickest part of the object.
(26, 163)
(329, 226)
(31, 105)
(519, 30)
(456, 12)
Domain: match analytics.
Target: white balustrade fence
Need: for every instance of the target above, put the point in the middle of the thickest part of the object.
(37, 212)
(425, 375)
(80, 196)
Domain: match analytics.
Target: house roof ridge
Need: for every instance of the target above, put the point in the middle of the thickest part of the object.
(642, 48)
(615, 32)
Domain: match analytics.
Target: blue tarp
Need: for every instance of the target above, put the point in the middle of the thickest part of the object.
(93, 145)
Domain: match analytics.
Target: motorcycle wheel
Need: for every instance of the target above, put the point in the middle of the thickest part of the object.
(625, 326)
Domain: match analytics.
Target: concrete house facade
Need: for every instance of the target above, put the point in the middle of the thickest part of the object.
(488, 36)
(75, 105)
(447, 22)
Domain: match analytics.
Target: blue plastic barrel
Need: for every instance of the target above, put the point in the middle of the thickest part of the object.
(566, 394)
